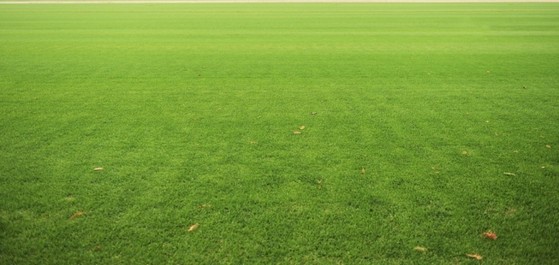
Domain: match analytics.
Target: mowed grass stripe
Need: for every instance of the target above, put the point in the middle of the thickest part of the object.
(413, 114)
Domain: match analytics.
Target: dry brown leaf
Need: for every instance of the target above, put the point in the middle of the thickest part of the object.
(509, 174)
(302, 127)
(193, 227)
(98, 169)
(475, 256)
(296, 132)
(77, 214)
(490, 235)
(420, 249)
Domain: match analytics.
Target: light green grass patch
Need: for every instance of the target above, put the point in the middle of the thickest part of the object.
(413, 114)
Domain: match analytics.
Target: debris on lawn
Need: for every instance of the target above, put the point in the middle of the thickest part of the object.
(319, 183)
(98, 169)
(296, 132)
(302, 127)
(363, 171)
(77, 214)
(420, 249)
(193, 227)
(548, 145)
(509, 174)
(474, 256)
(436, 169)
(97, 248)
(490, 235)
(314, 113)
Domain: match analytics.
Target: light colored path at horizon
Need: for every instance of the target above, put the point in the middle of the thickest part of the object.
(262, 1)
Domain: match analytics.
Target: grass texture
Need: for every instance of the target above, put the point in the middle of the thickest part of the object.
(425, 125)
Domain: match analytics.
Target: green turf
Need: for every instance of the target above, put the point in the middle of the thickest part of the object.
(413, 114)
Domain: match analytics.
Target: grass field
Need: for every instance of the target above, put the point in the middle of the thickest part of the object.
(425, 125)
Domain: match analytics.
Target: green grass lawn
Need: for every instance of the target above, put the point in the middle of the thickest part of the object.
(425, 125)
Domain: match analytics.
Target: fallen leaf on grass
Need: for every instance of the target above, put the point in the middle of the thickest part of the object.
(98, 169)
(302, 127)
(296, 132)
(509, 174)
(314, 113)
(319, 183)
(475, 256)
(490, 235)
(363, 171)
(420, 249)
(193, 227)
(548, 146)
(77, 214)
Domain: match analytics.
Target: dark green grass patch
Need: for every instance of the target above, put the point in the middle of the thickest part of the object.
(424, 125)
